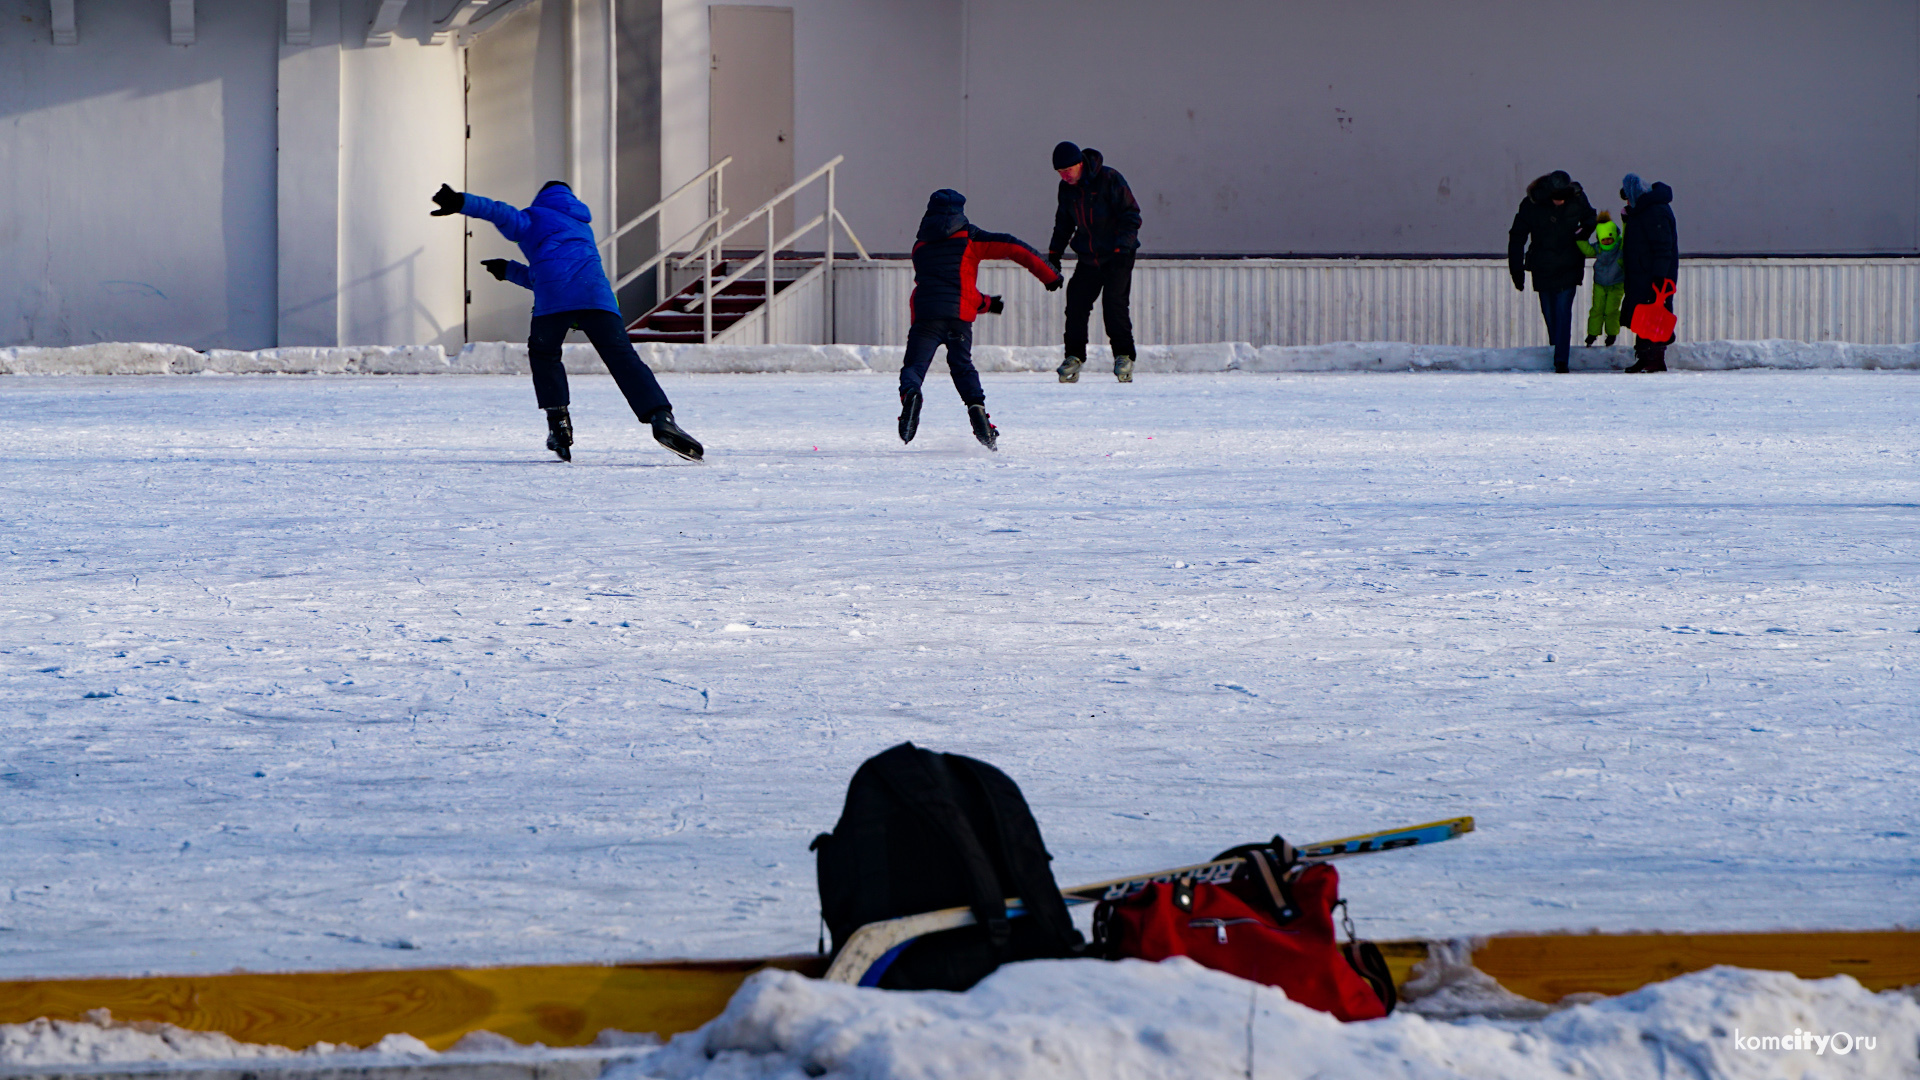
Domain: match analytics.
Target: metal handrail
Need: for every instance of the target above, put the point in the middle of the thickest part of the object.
(667, 249)
(750, 264)
(763, 208)
(657, 207)
(706, 253)
(715, 178)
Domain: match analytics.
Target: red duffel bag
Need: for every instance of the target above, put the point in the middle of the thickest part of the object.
(1269, 928)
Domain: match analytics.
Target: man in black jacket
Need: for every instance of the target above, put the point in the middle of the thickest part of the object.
(1650, 253)
(1556, 216)
(1098, 216)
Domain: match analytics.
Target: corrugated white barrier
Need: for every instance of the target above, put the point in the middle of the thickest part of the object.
(506, 358)
(1468, 302)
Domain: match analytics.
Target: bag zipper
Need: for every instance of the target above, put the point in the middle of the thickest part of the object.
(1219, 926)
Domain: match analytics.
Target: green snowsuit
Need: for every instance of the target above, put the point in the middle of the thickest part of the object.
(1609, 284)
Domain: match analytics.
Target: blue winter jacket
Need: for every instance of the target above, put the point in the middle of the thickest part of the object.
(563, 263)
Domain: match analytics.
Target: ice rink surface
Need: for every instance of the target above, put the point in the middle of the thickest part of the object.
(348, 672)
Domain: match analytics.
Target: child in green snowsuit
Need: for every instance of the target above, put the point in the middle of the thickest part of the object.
(1609, 279)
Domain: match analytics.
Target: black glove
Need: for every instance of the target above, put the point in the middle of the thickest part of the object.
(1053, 260)
(1520, 280)
(1054, 285)
(496, 267)
(995, 305)
(448, 200)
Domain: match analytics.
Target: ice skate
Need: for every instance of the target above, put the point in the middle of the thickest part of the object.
(909, 414)
(1123, 368)
(668, 434)
(1069, 370)
(983, 428)
(560, 433)
(1590, 338)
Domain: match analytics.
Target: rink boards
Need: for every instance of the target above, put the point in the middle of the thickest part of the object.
(570, 1005)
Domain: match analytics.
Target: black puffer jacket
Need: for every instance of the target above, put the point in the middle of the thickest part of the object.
(1098, 215)
(1556, 232)
(1650, 249)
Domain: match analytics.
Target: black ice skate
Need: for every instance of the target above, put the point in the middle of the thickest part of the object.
(560, 433)
(909, 414)
(983, 428)
(1123, 368)
(1069, 369)
(1590, 338)
(668, 434)
(1610, 338)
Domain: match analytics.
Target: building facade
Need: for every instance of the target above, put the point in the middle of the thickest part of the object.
(255, 173)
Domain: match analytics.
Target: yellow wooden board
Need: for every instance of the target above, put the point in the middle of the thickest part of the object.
(558, 1006)
(1547, 967)
(568, 1006)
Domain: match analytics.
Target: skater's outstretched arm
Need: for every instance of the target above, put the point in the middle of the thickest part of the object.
(508, 270)
(992, 245)
(513, 223)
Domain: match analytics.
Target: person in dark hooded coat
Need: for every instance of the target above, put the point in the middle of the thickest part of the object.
(947, 253)
(1651, 256)
(1555, 216)
(1097, 215)
(570, 291)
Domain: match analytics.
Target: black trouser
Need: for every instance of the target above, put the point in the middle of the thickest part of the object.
(957, 335)
(609, 336)
(1110, 279)
(1557, 308)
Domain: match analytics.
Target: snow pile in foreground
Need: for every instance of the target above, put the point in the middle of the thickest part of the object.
(1053, 1019)
(510, 358)
(1062, 1019)
(100, 1039)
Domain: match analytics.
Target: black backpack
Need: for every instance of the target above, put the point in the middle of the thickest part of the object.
(923, 831)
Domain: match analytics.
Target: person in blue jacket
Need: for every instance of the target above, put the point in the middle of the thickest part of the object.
(570, 291)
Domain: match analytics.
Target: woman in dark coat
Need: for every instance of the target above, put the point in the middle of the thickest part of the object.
(1555, 216)
(1650, 252)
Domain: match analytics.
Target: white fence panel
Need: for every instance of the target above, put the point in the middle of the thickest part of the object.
(1470, 302)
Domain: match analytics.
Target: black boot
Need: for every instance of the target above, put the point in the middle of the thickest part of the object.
(668, 434)
(1609, 341)
(1590, 338)
(1643, 359)
(983, 428)
(560, 433)
(909, 414)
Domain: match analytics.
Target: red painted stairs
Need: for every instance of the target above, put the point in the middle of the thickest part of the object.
(677, 319)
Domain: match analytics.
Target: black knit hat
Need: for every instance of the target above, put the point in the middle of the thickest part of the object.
(1066, 156)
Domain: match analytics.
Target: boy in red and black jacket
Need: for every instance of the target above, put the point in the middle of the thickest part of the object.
(946, 256)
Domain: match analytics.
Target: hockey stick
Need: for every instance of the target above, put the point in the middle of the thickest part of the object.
(873, 947)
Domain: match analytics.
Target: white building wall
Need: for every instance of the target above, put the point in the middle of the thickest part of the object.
(876, 80)
(1397, 126)
(403, 130)
(137, 194)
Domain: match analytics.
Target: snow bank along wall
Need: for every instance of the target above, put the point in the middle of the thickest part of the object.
(507, 358)
(251, 187)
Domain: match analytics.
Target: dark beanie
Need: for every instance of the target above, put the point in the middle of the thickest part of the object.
(1066, 156)
(946, 201)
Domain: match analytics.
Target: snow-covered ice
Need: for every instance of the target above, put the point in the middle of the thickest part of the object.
(346, 672)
